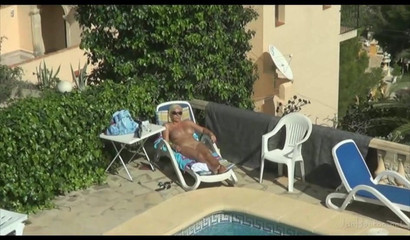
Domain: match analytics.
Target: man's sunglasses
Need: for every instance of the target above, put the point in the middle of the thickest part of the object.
(175, 113)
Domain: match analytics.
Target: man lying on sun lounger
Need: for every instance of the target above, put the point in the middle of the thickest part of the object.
(179, 134)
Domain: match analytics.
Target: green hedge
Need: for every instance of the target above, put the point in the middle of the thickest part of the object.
(50, 145)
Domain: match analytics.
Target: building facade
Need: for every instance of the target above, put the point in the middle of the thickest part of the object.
(308, 36)
(32, 34)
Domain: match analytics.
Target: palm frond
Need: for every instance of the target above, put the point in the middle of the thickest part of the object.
(389, 121)
(401, 132)
(391, 104)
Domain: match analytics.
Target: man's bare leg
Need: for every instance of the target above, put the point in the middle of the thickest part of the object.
(210, 159)
(202, 154)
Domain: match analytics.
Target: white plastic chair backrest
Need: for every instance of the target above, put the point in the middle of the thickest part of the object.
(298, 128)
(162, 111)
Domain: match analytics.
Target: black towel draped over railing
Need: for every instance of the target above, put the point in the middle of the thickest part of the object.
(239, 137)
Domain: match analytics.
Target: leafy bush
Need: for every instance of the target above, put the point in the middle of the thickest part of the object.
(8, 80)
(386, 117)
(11, 78)
(194, 51)
(50, 145)
(354, 81)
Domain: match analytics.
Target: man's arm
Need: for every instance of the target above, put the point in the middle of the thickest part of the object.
(203, 130)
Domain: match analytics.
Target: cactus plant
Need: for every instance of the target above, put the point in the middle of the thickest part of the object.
(45, 77)
(82, 78)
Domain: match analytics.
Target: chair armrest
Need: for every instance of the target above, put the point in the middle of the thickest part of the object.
(265, 139)
(393, 174)
(272, 132)
(266, 136)
(205, 138)
(209, 143)
(161, 144)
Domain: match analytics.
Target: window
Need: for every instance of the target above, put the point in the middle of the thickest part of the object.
(279, 15)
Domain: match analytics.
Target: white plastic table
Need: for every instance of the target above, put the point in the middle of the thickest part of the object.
(130, 139)
(11, 222)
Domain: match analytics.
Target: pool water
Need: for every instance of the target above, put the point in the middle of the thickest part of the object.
(236, 223)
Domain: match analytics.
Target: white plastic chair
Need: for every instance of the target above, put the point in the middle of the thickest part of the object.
(298, 129)
(11, 222)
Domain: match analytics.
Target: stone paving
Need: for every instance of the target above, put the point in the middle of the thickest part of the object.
(98, 209)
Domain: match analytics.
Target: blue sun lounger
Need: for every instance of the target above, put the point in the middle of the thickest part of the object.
(359, 184)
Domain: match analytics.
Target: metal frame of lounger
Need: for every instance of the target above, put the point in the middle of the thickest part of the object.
(352, 194)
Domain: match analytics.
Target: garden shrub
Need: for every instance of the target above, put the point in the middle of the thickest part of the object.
(194, 51)
(11, 78)
(51, 145)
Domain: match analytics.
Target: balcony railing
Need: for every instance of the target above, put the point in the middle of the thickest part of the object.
(390, 155)
(349, 18)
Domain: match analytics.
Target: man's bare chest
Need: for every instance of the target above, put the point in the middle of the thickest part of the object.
(181, 131)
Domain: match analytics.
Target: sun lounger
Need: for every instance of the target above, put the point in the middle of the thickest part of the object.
(180, 163)
(359, 185)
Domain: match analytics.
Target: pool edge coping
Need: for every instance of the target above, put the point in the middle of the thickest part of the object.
(203, 202)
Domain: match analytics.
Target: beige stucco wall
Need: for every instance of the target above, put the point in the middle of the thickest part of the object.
(8, 26)
(62, 58)
(264, 86)
(15, 24)
(311, 35)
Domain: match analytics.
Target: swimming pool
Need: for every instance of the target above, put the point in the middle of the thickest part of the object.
(236, 223)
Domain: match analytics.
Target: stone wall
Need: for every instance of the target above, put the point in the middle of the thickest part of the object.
(394, 162)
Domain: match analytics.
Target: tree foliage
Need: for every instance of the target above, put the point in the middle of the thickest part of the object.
(194, 51)
(354, 82)
(391, 26)
(386, 114)
(387, 117)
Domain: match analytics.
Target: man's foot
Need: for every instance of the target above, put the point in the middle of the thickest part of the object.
(222, 169)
